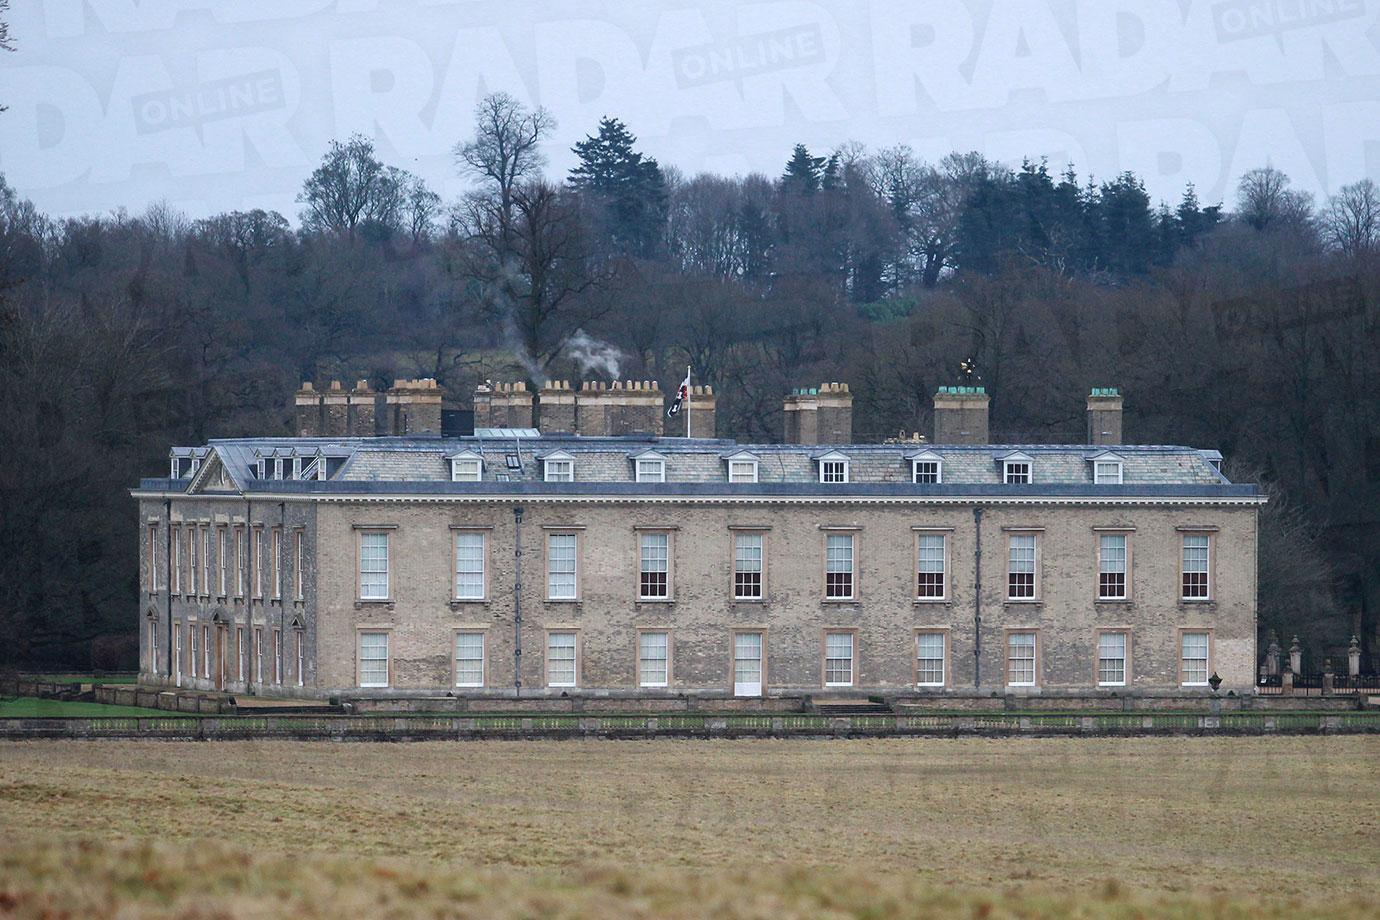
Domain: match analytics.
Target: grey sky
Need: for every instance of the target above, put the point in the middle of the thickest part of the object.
(222, 104)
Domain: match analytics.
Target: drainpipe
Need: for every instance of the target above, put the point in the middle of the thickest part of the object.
(249, 593)
(280, 667)
(167, 593)
(977, 597)
(517, 600)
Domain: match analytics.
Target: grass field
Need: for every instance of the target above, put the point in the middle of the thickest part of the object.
(27, 707)
(1177, 827)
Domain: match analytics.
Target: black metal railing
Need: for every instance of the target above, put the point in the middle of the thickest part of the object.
(1361, 683)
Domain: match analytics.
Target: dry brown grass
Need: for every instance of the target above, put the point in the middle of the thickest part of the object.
(878, 828)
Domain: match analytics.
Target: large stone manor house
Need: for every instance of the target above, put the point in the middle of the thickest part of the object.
(376, 556)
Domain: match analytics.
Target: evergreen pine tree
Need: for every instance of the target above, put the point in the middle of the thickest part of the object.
(804, 173)
(629, 188)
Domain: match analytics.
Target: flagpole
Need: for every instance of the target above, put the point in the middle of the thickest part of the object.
(687, 400)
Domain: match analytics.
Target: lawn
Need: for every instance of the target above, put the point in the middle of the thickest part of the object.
(879, 828)
(28, 707)
(84, 678)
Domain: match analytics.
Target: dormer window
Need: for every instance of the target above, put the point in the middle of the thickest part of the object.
(183, 467)
(1107, 472)
(465, 470)
(466, 466)
(313, 468)
(926, 468)
(1107, 468)
(833, 467)
(183, 462)
(1017, 470)
(651, 470)
(742, 466)
(559, 467)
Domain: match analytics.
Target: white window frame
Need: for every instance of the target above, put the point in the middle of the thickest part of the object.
(1034, 565)
(152, 558)
(1125, 659)
(1114, 472)
(1184, 659)
(574, 659)
(825, 470)
(387, 658)
(943, 658)
(223, 548)
(736, 468)
(466, 469)
(468, 536)
(258, 652)
(558, 469)
(1105, 561)
(276, 563)
(1034, 659)
(650, 469)
(921, 537)
(193, 559)
(239, 561)
(299, 539)
(482, 659)
(277, 638)
(1206, 571)
(1014, 467)
(368, 590)
(301, 657)
(574, 572)
(829, 657)
(191, 648)
(153, 645)
(643, 658)
(926, 461)
(742, 563)
(648, 555)
(851, 571)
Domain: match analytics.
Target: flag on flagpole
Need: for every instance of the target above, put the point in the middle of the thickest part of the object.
(682, 394)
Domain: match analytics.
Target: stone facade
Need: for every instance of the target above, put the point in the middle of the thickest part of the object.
(402, 488)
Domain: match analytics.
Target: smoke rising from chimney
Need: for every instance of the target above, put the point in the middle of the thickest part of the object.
(593, 355)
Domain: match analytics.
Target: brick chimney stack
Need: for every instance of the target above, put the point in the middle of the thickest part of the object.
(557, 407)
(819, 415)
(960, 415)
(362, 416)
(311, 419)
(510, 406)
(414, 407)
(703, 407)
(1104, 416)
(622, 407)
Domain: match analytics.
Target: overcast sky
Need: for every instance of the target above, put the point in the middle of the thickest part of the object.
(228, 104)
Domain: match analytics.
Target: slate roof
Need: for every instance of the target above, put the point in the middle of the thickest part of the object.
(697, 466)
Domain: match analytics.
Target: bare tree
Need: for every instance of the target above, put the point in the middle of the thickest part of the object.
(535, 265)
(351, 187)
(506, 149)
(1352, 218)
(1265, 201)
(6, 43)
(421, 207)
(928, 201)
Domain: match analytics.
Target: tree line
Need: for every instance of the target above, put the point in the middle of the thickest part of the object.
(1246, 326)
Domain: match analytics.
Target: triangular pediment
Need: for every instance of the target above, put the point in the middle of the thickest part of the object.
(212, 477)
